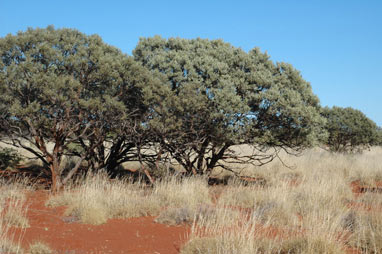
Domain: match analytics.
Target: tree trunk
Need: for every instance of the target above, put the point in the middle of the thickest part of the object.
(215, 158)
(73, 171)
(56, 180)
(147, 173)
(201, 156)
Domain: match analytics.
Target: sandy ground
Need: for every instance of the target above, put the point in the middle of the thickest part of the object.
(62, 234)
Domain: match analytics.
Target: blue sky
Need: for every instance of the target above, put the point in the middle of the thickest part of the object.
(335, 44)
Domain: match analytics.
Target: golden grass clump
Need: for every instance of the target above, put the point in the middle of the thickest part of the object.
(174, 192)
(310, 245)
(39, 248)
(269, 205)
(187, 201)
(205, 215)
(249, 238)
(229, 243)
(96, 199)
(15, 214)
(13, 211)
(367, 236)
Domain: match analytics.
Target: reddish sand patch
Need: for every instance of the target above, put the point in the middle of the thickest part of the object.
(358, 188)
(137, 235)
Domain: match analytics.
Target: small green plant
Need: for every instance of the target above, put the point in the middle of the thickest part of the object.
(9, 158)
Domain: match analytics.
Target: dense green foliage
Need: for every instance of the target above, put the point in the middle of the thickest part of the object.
(349, 129)
(215, 96)
(378, 140)
(64, 88)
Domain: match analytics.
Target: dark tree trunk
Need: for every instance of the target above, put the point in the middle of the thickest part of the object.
(216, 157)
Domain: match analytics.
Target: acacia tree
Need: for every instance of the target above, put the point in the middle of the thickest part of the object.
(349, 129)
(378, 140)
(214, 97)
(62, 87)
(117, 140)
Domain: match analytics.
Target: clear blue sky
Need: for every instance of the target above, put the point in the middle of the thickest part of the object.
(336, 44)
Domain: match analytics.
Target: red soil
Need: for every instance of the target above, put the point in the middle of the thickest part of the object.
(137, 235)
(358, 188)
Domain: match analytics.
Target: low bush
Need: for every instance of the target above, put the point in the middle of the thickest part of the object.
(9, 158)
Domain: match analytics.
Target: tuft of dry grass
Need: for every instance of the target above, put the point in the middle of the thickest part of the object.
(229, 243)
(191, 192)
(250, 238)
(367, 235)
(176, 216)
(270, 205)
(311, 245)
(96, 199)
(204, 214)
(12, 213)
(15, 215)
(39, 248)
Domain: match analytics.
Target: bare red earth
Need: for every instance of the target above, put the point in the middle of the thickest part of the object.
(137, 235)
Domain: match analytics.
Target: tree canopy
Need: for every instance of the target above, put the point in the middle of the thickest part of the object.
(214, 96)
(349, 129)
(63, 87)
(378, 140)
(64, 93)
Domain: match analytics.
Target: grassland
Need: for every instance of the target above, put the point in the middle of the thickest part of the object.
(308, 207)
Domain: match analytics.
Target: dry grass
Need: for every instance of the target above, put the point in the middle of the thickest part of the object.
(175, 192)
(270, 205)
(12, 213)
(367, 234)
(15, 214)
(95, 199)
(39, 248)
(311, 245)
(183, 200)
(203, 215)
(249, 239)
(306, 206)
(310, 200)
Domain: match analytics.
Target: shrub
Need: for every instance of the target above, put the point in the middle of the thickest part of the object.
(9, 158)
(349, 129)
